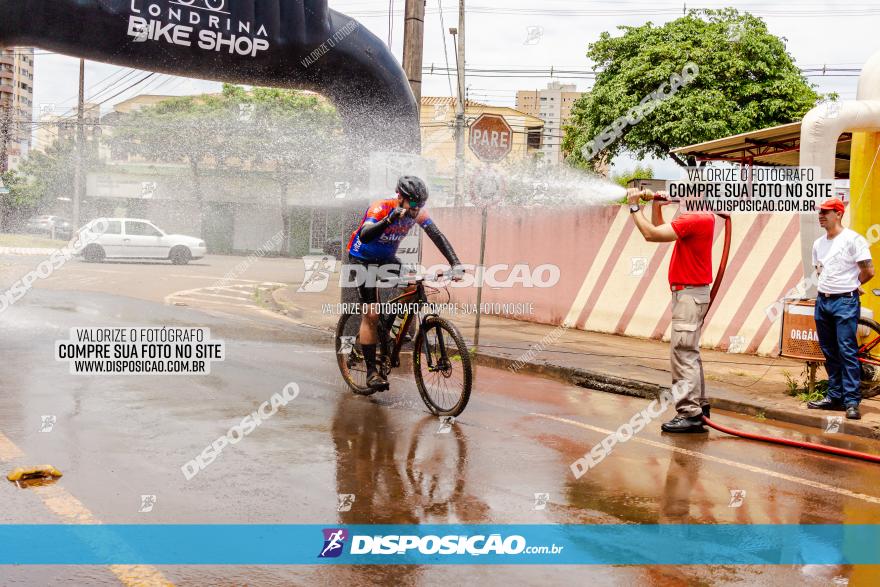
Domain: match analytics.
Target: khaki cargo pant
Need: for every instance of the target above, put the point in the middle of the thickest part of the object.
(689, 307)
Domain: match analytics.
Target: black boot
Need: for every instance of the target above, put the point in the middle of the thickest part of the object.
(369, 351)
(374, 378)
(684, 424)
(376, 382)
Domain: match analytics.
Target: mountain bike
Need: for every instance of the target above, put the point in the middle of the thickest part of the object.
(869, 356)
(441, 360)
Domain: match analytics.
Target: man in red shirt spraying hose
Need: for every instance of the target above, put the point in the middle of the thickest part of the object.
(690, 277)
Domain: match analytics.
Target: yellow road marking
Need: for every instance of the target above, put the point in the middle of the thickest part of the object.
(8, 451)
(72, 511)
(723, 461)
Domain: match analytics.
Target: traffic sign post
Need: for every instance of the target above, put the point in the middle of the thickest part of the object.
(487, 187)
(491, 138)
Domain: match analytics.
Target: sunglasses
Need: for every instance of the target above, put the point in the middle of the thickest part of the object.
(415, 204)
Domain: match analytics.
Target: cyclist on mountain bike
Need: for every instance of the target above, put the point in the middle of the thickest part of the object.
(374, 244)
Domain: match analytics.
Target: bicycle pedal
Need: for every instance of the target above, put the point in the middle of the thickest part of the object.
(380, 387)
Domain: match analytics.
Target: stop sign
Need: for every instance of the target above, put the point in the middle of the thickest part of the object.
(491, 138)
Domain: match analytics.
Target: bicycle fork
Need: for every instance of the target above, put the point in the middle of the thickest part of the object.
(443, 360)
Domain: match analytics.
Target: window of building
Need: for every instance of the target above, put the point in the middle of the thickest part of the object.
(534, 139)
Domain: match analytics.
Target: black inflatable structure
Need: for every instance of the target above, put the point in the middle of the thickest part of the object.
(284, 43)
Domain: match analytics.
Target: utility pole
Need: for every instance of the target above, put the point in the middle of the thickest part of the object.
(414, 46)
(80, 147)
(460, 126)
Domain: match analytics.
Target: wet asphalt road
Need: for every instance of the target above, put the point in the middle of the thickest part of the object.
(117, 438)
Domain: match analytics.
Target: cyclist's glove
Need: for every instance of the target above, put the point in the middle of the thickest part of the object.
(373, 230)
(395, 214)
(457, 272)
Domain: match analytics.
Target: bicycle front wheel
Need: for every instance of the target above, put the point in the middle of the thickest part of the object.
(442, 367)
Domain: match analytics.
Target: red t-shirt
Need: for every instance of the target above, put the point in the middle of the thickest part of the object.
(691, 262)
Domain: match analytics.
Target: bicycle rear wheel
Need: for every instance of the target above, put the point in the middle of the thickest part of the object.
(442, 367)
(349, 355)
(869, 356)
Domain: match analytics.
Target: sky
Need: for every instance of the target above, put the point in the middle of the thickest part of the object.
(503, 34)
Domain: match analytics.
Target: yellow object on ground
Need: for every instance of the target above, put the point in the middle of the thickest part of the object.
(33, 473)
(865, 200)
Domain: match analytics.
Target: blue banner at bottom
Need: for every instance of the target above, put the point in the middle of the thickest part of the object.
(439, 544)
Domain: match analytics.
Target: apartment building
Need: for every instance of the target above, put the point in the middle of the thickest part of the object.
(552, 105)
(16, 104)
(54, 128)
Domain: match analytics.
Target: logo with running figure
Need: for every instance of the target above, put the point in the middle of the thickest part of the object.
(317, 273)
(334, 541)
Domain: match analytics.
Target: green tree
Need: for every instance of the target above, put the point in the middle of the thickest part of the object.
(624, 177)
(746, 80)
(43, 178)
(18, 201)
(289, 133)
(284, 133)
(195, 130)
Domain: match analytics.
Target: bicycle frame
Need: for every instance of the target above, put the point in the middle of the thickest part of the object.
(865, 349)
(416, 294)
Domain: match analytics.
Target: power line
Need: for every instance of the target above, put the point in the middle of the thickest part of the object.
(95, 85)
(147, 75)
(143, 79)
(642, 11)
(551, 71)
(445, 50)
(114, 85)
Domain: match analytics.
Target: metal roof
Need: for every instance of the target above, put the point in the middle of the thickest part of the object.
(777, 145)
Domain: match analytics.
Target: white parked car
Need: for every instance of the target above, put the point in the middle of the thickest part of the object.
(135, 238)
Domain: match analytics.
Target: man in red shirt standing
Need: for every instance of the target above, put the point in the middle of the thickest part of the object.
(690, 277)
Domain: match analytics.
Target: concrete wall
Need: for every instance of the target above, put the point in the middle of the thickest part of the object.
(257, 227)
(597, 249)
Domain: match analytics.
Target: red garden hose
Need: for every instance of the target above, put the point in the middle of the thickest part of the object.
(722, 266)
(807, 445)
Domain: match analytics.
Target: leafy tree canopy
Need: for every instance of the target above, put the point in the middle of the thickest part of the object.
(746, 80)
(638, 172)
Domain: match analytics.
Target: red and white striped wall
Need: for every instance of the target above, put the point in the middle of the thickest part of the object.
(612, 281)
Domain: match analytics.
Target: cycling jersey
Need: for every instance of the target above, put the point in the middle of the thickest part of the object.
(384, 247)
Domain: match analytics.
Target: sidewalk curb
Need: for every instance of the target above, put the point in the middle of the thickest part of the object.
(635, 388)
(601, 381)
